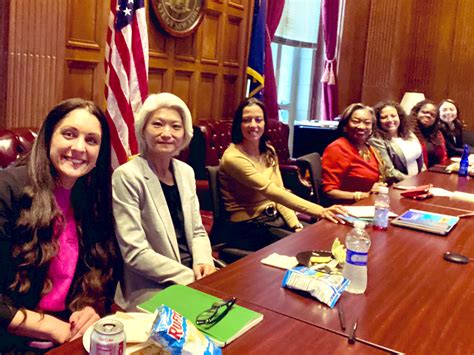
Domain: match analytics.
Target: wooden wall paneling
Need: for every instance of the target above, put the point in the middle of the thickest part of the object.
(183, 84)
(210, 37)
(239, 4)
(429, 59)
(206, 107)
(382, 52)
(185, 48)
(4, 31)
(156, 80)
(84, 74)
(352, 51)
(461, 72)
(35, 57)
(233, 31)
(230, 96)
(81, 80)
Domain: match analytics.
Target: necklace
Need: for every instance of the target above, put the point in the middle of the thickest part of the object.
(365, 154)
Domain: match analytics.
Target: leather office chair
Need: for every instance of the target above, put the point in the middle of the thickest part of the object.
(311, 163)
(221, 222)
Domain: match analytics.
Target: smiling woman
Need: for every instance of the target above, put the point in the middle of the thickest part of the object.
(75, 146)
(425, 118)
(396, 143)
(159, 228)
(261, 209)
(352, 168)
(58, 260)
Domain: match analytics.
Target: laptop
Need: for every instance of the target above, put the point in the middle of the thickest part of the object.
(430, 222)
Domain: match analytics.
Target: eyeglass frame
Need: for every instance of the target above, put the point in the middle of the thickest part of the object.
(214, 309)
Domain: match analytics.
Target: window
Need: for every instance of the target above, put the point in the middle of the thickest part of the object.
(294, 51)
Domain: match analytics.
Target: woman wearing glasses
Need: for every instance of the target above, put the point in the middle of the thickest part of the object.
(159, 228)
(261, 209)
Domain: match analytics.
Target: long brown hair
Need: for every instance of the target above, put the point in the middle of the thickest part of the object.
(36, 230)
(237, 137)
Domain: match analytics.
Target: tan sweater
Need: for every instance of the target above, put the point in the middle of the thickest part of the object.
(249, 186)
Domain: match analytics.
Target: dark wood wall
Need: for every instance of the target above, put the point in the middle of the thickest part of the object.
(390, 47)
(54, 49)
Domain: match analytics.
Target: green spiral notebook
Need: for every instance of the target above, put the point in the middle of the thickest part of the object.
(190, 302)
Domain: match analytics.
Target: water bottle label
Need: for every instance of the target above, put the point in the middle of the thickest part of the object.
(356, 258)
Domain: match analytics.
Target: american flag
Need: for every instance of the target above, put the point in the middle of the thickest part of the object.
(126, 71)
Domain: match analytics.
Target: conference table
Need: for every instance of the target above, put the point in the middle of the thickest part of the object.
(415, 302)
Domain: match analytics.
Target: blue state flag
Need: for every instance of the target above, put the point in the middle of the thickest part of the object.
(256, 62)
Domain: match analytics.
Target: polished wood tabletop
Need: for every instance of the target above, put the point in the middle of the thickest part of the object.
(276, 334)
(416, 302)
(449, 182)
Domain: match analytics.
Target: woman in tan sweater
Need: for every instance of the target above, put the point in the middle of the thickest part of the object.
(259, 206)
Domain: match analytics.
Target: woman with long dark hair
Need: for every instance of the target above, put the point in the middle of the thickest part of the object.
(396, 143)
(252, 187)
(424, 116)
(57, 243)
(451, 126)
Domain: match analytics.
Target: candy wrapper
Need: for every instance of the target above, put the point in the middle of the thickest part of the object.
(179, 336)
(324, 287)
(338, 251)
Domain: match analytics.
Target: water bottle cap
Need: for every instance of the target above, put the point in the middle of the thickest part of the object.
(359, 224)
(383, 189)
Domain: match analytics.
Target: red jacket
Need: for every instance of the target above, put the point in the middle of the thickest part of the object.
(440, 155)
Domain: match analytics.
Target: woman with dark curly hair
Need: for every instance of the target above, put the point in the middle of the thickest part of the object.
(57, 243)
(352, 169)
(425, 119)
(451, 126)
(397, 144)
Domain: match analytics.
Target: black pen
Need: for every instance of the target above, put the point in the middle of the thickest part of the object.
(352, 338)
(342, 319)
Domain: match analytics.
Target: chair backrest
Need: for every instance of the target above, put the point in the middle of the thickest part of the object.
(313, 163)
(218, 210)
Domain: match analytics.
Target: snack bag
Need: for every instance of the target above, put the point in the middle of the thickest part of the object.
(324, 287)
(179, 336)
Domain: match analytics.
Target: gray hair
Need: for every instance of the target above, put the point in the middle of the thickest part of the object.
(155, 102)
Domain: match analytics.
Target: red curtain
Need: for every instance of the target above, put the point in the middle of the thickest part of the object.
(330, 16)
(274, 12)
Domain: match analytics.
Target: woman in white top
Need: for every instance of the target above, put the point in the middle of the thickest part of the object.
(395, 141)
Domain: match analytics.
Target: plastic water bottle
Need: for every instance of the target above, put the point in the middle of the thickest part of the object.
(464, 163)
(355, 268)
(382, 207)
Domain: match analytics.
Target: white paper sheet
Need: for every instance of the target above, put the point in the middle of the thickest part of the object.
(364, 211)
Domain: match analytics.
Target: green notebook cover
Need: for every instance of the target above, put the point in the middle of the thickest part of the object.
(190, 302)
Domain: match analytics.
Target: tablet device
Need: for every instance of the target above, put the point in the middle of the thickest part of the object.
(426, 221)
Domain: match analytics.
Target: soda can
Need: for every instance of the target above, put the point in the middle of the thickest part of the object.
(108, 338)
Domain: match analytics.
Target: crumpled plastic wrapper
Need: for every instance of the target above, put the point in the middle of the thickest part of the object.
(338, 251)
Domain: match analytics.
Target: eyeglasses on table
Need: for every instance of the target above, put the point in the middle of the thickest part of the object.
(217, 311)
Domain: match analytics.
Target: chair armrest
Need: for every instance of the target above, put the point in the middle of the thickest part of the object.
(294, 182)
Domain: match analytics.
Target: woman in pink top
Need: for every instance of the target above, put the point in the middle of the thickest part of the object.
(57, 245)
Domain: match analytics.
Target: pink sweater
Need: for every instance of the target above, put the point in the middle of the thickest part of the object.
(63, 265)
